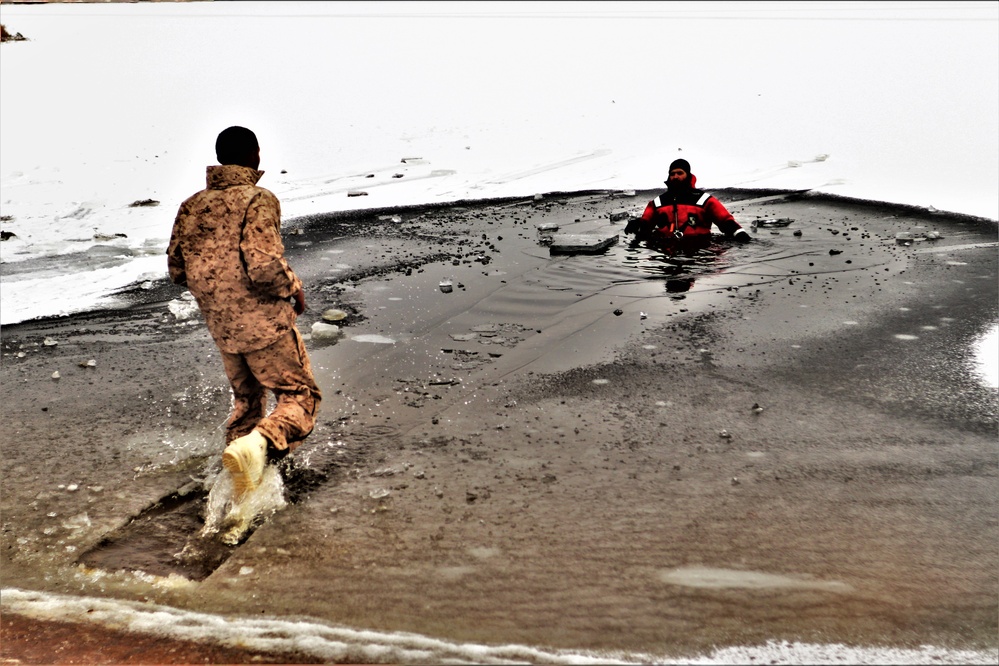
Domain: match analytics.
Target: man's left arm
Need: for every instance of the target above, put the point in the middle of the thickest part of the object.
(725, 221)
(263, 251)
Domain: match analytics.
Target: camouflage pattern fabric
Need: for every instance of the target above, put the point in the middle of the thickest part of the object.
(284, 369)
(226, 248)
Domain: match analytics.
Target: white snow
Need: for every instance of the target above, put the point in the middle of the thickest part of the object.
(332, 644)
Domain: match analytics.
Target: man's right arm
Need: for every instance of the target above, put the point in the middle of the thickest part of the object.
(175, 256)
(643, 225)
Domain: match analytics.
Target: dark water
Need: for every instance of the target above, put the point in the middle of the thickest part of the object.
(151, 541)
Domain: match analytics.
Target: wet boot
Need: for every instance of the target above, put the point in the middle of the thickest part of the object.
(240, 519)
(245, 458)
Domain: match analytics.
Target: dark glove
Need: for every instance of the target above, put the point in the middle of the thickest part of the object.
(633, 226)
(743, 236)
(299, 301)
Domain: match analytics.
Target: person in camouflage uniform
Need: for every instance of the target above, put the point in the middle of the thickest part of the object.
(226, 248)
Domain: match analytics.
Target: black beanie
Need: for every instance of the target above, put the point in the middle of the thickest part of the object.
(680, 164)
(235, 144)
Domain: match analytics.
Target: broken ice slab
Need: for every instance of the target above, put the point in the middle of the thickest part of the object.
(548, 226)
(618, 215)
(772, 222)
(446, 286)
(907, 237)
(323, 331)
(585, 243)
(333, 314)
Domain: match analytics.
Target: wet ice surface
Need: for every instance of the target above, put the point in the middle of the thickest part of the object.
(553, 295)
(410, 353)
(707, 577)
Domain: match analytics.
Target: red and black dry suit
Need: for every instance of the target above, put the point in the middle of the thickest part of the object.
(685, 214)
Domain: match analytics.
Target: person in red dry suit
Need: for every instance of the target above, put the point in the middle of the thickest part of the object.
(683, 214)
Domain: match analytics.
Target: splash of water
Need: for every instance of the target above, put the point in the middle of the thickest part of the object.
(223, 513)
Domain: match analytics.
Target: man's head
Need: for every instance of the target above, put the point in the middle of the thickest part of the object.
(238, 145)
(679, 172)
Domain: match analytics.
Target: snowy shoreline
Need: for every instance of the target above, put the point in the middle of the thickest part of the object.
(325, 643)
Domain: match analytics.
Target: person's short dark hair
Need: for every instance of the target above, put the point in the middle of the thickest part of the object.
(235, 144)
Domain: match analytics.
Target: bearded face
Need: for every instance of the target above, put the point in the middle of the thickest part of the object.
(678, 179)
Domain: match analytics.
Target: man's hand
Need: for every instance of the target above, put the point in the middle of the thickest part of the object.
(743, 236)
(299, 301)
(633, 226)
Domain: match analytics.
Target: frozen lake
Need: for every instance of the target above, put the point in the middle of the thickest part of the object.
(112, 104)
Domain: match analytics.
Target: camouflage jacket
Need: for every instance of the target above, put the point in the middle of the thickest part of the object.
(226, 248)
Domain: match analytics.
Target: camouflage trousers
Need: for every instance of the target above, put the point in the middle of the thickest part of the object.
(282, 368)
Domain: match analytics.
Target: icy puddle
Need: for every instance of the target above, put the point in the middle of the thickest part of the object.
(191, 532)
(708, 577)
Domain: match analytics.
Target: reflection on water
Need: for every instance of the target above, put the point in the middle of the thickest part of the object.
(680, 285)
(679, 263)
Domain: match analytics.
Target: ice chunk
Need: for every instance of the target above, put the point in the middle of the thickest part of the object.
(183, 308)
(572, 243)
(324, 331)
